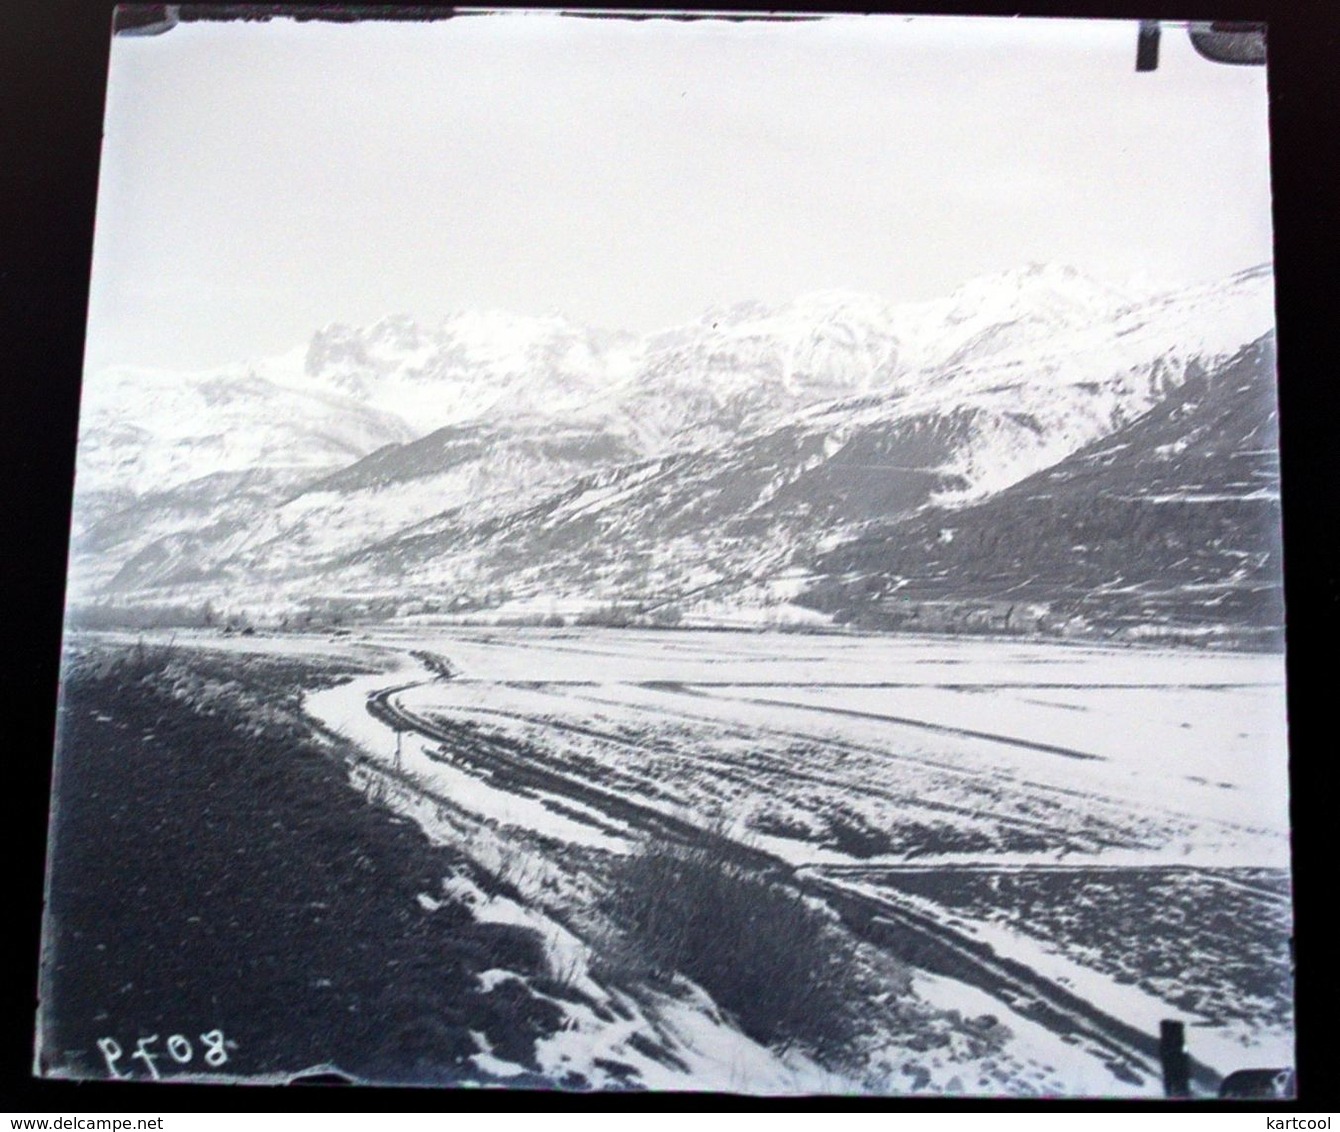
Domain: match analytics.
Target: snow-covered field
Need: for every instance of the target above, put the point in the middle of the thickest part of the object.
(1051, 750)
(1115, 820)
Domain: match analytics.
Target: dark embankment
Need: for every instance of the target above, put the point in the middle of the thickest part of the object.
(213, 870)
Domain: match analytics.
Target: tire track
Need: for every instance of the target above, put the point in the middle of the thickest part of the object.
(506, 765)
(970, 776)
(974, 780)
(1221, 875)
(934, 946)
(882, 921)
(939, 728)
(775, 766)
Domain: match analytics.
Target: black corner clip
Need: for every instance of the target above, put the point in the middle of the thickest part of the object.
(1220, 41)
(1229, 41)
(1147, 47)
(144, 19)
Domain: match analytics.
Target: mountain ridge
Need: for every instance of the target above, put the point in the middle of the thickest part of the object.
(724, 456)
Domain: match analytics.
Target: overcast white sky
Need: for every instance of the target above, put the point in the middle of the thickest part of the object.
(262, 180)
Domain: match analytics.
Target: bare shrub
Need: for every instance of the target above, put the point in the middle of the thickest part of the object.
(774, 962)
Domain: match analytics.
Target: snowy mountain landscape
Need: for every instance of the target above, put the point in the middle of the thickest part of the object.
(731, 554)
(806, 698)
(741, 467)
(735, 555)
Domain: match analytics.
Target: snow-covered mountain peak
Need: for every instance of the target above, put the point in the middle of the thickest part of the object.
(741, 367)
(474, 363)
(1053, 293)
(1003, 311)
(148, 430)
(737, 366)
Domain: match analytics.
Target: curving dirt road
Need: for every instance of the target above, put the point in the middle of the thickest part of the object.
(882, 920)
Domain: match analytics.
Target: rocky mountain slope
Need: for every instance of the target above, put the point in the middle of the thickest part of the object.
(1167, 527)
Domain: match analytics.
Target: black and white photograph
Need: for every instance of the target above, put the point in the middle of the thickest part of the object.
(614, 552)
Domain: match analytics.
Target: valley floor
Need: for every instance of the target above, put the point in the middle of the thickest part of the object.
(1025, 856)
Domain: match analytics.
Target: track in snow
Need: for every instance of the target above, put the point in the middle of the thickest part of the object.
(881, 920)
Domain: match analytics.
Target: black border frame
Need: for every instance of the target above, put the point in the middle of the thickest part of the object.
(53, 65)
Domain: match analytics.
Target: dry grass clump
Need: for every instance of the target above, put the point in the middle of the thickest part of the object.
(775, 962)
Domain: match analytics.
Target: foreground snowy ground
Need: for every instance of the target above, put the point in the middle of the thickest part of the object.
(1113, 821)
